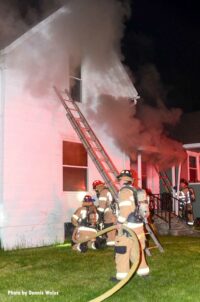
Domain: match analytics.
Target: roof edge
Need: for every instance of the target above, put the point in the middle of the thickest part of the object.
(33, 30)
(191, 146)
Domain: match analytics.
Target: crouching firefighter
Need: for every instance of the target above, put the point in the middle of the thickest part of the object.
(85, 221)
(128, 199)
(106, 210)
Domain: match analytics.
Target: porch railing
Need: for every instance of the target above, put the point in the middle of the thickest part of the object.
(165, 206)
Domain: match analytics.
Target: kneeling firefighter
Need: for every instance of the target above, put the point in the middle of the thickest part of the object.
(85, 221)
(129, 199)
(106, 209)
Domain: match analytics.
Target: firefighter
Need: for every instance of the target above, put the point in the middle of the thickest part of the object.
(186, 199)
(129, 199)
(106, 209)
(85, 221)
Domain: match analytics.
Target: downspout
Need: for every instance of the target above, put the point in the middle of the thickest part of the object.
(2, 107)
(173, 190)
(139, 169)
(178, 186)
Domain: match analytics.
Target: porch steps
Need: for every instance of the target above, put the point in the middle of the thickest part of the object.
(178, 227)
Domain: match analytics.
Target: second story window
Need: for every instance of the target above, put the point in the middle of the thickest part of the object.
(74, 167)
(193, 167)
(76, 84)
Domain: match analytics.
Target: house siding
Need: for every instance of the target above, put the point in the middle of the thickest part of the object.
(196, 204)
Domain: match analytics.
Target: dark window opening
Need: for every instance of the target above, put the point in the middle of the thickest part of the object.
(193, 175)
(74, 154)
(193, 169)
(76, 84)
(192, 160)
(74, 179)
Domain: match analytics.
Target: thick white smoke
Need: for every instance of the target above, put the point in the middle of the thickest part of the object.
(10, 23)
(89, 32)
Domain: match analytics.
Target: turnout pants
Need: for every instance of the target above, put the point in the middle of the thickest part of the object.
(83, 233)
(110, 240)
(125, 252)
(109, 220)
(189, 214)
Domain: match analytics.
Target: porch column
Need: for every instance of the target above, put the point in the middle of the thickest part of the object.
(139, 169)
(173, 185)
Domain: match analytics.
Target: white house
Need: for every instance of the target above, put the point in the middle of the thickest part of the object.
(44, 169)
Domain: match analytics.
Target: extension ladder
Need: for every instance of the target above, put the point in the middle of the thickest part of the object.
(100, 157)
(165, 180)
(93, 146)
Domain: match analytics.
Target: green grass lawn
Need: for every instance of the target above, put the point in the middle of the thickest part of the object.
(175, 275)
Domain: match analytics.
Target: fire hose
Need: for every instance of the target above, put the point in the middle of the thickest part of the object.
(134, 260)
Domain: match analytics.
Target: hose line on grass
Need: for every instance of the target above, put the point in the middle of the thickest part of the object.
(135, 260)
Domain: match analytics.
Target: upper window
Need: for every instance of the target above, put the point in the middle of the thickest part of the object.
(193, 167)
(76, 84)
(74, 167)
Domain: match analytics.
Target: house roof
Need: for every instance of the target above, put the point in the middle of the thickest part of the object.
(37, 28)
(114, 70)
(188, 129)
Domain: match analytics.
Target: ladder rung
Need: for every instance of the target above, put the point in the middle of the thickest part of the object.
(103, 159)
(67, 100)
(109, 171)
(78, 119)
(73, 109)
(85, 129)
(91, 140)
(97, 149)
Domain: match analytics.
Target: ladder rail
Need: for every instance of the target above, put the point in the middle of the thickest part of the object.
(165, 179)
(87, 145)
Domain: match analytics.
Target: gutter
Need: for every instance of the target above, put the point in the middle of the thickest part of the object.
(191, 146)
(2, 110)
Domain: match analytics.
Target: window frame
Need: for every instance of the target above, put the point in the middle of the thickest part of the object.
(74, 167)
(75, 75)
(197, 157)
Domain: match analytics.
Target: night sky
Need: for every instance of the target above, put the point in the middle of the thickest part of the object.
(167, 35)
(161, 36)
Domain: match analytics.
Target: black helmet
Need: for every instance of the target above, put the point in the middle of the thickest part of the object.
(88, 198)
(126, 175)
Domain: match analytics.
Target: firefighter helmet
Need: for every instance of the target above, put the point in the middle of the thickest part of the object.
(184, 181)
(126, 175)
(88, 198)
(97, 183)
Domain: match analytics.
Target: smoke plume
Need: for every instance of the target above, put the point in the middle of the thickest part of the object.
(144, 127)
(10, 23)
(83, 31)
(89, 32)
